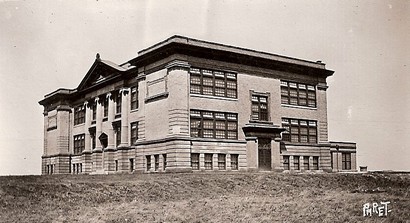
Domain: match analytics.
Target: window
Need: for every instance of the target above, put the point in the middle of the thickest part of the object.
(315, 163)
(93, 140)
(94, 108)
(79, 115)
(117, 135)
(195, 161)
(214, 83)
(208, 161)
(304, 131)
(116, 165)
(164, 161)
(131, 165)
(148, 158)
(221, 161)
(156, 160)
(298, 94)
(306, 163)
(346, 161)
(134, 133)
(234, 161)
(296, 163)
(259, 108)
(208, 124)
(106, 107)
(286, 163)
(134, 97)
(79, 143)
(118, 102)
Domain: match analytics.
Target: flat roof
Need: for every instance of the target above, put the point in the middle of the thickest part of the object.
(231, 49)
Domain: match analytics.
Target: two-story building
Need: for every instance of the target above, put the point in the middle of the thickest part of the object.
(190, 105)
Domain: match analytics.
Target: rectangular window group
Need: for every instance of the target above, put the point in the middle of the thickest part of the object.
(208, 161)
(346, 161)
(79, 143)
(209, 124)
(259, 108)
(298, 94)
(296, 163)
(79, 115)
(297, 130)
(214, 83)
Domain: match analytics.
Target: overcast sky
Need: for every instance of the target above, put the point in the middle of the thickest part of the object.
(45, 45)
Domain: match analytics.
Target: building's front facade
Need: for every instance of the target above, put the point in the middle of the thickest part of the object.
(189, 105)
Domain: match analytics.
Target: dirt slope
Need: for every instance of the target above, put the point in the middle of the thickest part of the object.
(203, 197)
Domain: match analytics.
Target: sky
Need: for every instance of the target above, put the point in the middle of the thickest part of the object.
(46, 45)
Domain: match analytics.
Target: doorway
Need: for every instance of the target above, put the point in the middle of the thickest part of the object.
(264, 154)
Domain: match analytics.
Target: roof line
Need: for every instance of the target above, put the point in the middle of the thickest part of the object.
(191, 41)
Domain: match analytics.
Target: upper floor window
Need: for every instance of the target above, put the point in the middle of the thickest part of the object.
(134, 97)
(79, 115)
(298, 94)
(134, 133)
(79, 143)
(346, 161)
(297, 130)
(259, 108)
(106, 107)
(94, 108)
(118, 102)
(214, 83)
(209, 124)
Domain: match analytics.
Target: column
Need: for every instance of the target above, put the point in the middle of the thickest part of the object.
(251, 153)
(88, 113)
(275, 148)
(125, 104)
(97, 152)
(111, 117)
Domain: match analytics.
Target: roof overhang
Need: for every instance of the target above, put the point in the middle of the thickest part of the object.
(226, 53)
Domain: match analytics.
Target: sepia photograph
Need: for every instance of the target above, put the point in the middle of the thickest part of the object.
(204, 111)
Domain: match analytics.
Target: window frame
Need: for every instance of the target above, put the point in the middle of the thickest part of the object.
(118, 103)
(286, 162)
(221, 161)
(134, 133)
(315, 163)
(296, 162)
(256, 101)
(306, 165)
(209, 124)
(346, 161)
(208, 161)
(300, 130)
(303, 93)
(79, 115)
(195, 165)
(105, 105)
(234, 161)
(79, 144)
(134, 103)
(208, 82)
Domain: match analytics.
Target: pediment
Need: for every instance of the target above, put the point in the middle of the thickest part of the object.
(100, 71)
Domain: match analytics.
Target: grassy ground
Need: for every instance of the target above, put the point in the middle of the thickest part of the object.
(203, 197)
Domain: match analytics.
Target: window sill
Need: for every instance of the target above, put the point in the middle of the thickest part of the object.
(213, 97)
(79, 125)
(134, 110)
(298, 106)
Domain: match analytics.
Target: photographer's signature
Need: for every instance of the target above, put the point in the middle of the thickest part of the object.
(376, 209)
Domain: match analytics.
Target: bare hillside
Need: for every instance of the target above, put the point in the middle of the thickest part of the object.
(203, 197)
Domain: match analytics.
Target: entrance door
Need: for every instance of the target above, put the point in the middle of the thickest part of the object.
(264, 154)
